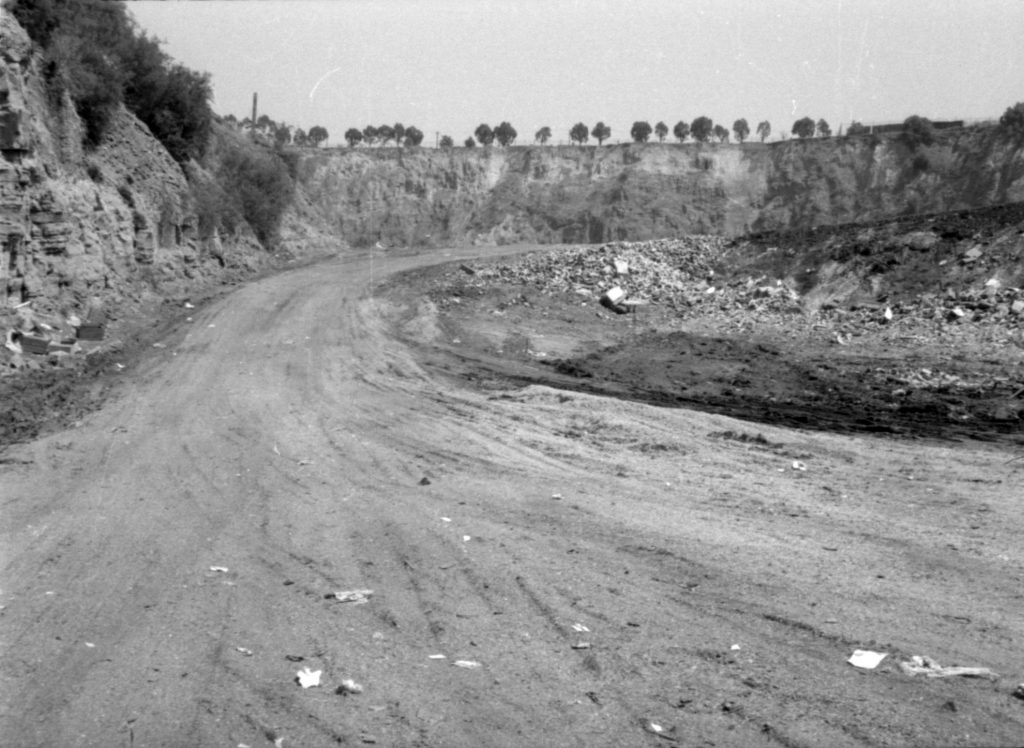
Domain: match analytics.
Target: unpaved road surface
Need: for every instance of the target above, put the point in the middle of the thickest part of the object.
(611, 570)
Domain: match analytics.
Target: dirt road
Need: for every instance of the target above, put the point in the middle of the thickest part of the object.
(613, 574)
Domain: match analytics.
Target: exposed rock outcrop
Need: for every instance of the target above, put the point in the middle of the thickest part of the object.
(634, 192)
(118, 223)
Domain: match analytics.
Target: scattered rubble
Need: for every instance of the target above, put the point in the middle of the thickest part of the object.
(672, 272)
(678, 276)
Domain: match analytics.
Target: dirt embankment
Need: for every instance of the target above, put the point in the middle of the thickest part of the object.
(588, 194)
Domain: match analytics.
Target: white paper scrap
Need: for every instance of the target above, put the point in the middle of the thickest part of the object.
(866, 659)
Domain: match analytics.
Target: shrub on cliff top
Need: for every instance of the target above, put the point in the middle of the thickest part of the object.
(917, 131)
(1012, 121)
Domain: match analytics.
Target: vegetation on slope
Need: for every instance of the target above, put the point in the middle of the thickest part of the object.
(93, 52)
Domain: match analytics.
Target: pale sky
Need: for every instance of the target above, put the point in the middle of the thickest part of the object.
(446, 66)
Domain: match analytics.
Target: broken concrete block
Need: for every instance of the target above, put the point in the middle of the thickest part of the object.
(35, 345)
(613, 295)
(91, 332)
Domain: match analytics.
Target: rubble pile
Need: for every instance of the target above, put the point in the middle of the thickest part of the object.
(678, 276)
(659, 271)
(674, 273)
(34, 339)
(995, 312)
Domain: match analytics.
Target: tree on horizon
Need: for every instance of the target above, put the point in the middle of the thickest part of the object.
(353, 136)
(317, 135)
(579, 133)
(803, 128)
(413, 136)
(484, 134)
(742, 129)
(701, 129)
(386, 133)
(505, 134)
(640, 132)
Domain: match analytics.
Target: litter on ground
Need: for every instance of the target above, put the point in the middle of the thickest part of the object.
(349, 686)
(352, 596)
(919, 665)
(866, 659)
(308, 678)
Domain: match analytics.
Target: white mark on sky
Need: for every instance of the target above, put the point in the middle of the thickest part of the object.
(312, 91)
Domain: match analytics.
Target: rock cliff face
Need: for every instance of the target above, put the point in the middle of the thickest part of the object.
(114, 225)
(636, 192)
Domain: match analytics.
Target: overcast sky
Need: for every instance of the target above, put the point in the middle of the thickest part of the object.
(447, 65)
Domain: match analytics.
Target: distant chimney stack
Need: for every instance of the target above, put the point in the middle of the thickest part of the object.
(254, 109)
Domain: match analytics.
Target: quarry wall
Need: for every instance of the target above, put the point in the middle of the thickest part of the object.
(554, 194)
